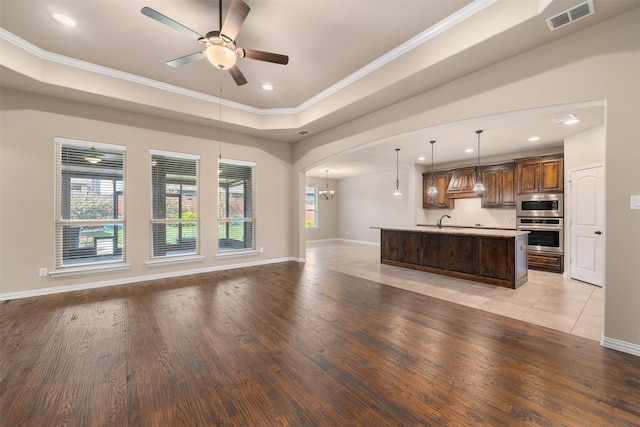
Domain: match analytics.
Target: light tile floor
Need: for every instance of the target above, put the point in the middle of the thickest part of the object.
(547, 299)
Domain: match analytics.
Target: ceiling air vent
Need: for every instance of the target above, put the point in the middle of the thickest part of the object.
(562, 119)
(571, 15)
(303, 132)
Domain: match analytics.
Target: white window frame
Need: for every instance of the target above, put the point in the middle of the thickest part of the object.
(88, 257)
(315, 211)
(186, 248)
(247, 221)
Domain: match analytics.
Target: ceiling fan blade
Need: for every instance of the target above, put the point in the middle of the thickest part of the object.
(170, 22)
(237, 75)
(184, 60)
(259, 55)
(236, 15)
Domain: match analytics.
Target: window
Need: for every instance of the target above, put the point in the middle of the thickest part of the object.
(175, 221)
(311, 216)
(236, 206)
(90, 223)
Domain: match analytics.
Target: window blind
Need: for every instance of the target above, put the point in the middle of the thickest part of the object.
(236, 206)
(90, 204)
(175, 218)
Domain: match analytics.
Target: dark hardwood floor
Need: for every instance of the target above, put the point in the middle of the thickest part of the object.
(292, 345)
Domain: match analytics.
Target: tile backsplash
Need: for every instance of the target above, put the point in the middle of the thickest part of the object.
(468, 213)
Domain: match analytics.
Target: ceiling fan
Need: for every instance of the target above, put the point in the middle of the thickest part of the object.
(221, 48)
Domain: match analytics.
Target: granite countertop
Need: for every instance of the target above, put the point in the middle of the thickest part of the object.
(469, 231)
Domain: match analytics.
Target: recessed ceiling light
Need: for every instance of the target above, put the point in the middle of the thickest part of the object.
(421, 158)
(64, 20)
(534, 139)
(267, 86)
(571, 122)
(469, 150)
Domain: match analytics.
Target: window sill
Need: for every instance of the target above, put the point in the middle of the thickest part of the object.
(72, 271)
(233, 254)
(174, 260)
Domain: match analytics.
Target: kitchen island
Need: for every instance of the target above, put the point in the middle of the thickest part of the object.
(494, 256)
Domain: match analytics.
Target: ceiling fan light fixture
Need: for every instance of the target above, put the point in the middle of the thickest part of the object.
(93, 160)
(221, 56)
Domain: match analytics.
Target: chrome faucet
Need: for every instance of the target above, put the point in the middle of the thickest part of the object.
(439, 221)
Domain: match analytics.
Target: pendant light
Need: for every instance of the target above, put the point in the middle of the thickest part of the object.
(397, 192)
(432, 190)
(326, 194)
(478, 188)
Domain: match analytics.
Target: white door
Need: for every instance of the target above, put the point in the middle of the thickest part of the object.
(587, 225)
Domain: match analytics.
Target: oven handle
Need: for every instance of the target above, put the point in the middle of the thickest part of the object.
(539, 227)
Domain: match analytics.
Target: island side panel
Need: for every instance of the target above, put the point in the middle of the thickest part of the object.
(522, 260)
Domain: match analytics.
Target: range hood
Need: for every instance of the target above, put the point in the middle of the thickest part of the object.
(461, 184)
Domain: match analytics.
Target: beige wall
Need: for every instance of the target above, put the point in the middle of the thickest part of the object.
(584, 150)
(368, 201)
(327, 211)
(29, 125)
(599, 63)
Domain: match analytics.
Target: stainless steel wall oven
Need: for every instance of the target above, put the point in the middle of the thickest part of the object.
(545, 234)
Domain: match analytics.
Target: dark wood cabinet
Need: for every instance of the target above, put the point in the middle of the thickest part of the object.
(390, 243)
(540, 174)
(460, 254)
(546, 262)
(411, 251)
(439, 200)
(500, 186)
(432, 245)
(498, 260)
(462, 182)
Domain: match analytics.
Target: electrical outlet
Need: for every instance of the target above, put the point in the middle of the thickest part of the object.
(42, 271)
(261, 249)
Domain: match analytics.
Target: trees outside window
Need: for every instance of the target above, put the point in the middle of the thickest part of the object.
(311, 204)
(236, 209)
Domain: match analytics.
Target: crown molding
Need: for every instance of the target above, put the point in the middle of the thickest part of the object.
(431, 32)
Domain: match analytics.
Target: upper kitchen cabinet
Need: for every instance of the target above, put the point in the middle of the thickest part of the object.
(500, 187)
(439, 200)
(540, 174)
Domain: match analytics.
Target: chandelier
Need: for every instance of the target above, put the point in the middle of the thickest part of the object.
(326, 194)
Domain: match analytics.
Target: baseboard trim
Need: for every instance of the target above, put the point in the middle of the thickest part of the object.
(623, 346)
(362, 242)
(127, 280)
